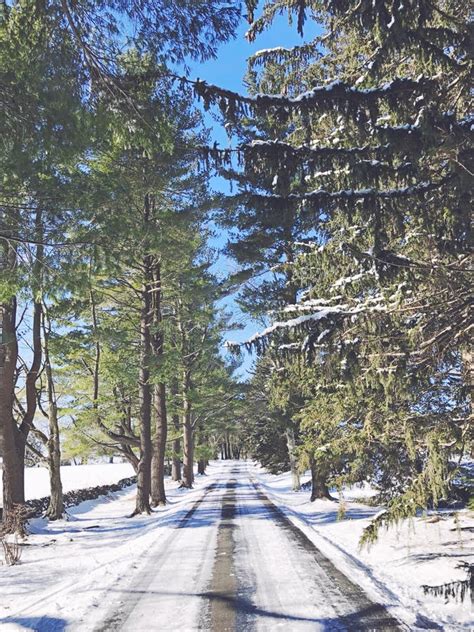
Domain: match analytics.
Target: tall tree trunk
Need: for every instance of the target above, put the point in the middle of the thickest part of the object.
(13, 459)
(229, 447)
(145, 394)
(55, 509)
(295, 475)
(319, 488)
(176, 463)
(13, 438)
(468, 372)
(158, 494)
(144, 384)
(188, 440)
(201, 439)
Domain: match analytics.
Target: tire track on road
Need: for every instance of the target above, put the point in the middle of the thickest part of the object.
(151, 567)
(220, 613)
(358, 612)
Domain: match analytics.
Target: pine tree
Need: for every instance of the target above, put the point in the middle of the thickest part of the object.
(44, 135)
(196, 334)
(67, 79)
(375, 151)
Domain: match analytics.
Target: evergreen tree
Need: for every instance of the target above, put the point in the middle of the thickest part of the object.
(45, 134)
(375, 150)
(71, 92)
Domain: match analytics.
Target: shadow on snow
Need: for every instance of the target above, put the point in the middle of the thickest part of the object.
(38, 624)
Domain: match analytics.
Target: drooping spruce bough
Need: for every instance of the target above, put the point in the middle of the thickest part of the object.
(354, 169)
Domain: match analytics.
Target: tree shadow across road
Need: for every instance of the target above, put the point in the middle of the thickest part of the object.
(355, 622)
(38, 624)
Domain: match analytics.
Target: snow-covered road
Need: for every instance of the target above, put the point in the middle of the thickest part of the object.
(219, 557)
(223, 557)
(166, 592)
(288, 580)
(236, 563)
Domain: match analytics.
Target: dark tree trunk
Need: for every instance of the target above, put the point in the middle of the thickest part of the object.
(468, 373)
(13, 438)
(188, 456)
(188, 439)
(144, 383)
(144, 424)
(55, 509)
(13, 464)
(319, 488)
(158, 494)
(142, 503)
(295, 475)
(202, 466)
(176, 464)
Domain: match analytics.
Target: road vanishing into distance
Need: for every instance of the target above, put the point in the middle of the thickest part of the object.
(235, 562)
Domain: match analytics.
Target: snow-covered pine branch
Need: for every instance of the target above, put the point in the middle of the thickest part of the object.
(280, 54)
(337, 93)
(320, 195)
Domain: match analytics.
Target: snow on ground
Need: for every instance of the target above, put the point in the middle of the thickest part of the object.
(416, 552)
(68, 567)
(71, 571)
(73, 477)
(288, 585)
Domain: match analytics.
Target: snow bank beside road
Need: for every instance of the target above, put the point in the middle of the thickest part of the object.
(414, 553)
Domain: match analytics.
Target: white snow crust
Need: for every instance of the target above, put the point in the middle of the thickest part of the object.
(73, 477)
(71, 570)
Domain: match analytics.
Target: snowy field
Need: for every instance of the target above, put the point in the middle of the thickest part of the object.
(416, 552)
(73, 477)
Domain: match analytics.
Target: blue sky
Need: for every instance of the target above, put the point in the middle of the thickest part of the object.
(229, 68)
(227, 71)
